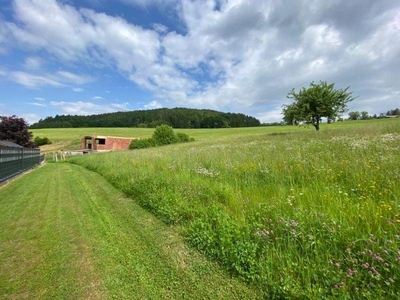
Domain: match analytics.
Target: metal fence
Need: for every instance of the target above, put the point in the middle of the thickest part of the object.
(16, 160)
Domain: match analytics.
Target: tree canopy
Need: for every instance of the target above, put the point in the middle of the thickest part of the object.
(175, 117)
(312, 104)
(15, 130)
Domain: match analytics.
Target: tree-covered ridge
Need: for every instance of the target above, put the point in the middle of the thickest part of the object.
(175, 117)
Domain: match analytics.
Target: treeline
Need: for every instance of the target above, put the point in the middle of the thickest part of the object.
(364, 115)
(175, 117)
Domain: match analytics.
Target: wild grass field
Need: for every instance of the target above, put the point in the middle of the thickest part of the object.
(302, 214)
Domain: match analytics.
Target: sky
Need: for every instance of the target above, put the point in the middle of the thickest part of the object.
(98, 56)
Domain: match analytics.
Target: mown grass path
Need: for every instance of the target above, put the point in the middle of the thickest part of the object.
(66, 233)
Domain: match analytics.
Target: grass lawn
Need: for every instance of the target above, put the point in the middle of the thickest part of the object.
(67, 233)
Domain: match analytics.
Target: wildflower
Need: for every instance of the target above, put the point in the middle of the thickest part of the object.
(349, 273)
(390, 279)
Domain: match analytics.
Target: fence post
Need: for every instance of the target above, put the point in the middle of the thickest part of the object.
(22, 159)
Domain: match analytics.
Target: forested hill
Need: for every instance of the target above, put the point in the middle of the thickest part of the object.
(175, 117)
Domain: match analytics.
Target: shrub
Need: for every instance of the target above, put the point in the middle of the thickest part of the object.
(164, 135)
(182, 137)
(143, 143)
(41, 141)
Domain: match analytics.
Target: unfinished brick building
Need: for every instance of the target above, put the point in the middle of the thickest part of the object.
(105, 143)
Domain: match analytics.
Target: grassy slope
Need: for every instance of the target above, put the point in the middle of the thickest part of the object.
(67, 233)
(295, 211)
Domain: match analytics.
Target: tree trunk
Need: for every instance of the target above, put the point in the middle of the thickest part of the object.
(316, 125)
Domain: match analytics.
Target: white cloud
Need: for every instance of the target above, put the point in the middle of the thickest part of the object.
(30, 118)
(37, 104)
(321, 38)
(39, 98)
(160, 28)
(74, 78)
(87, 108)
(146, 3)
(78, 90)
(270, 116)
(34, 81)
(33, 63)
(153, 105)
(59, 79)
(97, 98)
(232, 54)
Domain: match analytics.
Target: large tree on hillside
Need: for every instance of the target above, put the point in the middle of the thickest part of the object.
(318, 101)
(15, 130)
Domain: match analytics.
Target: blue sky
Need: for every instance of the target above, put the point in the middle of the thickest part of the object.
(97, 56)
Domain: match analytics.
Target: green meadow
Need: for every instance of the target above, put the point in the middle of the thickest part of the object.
(293, 212)
(70, 138)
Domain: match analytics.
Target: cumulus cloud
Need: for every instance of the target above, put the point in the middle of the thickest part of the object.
(160, 28)
(153, 105)
(232, 54)
(30, 117)
(88, 108)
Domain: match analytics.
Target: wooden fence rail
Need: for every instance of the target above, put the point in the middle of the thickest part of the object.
(14, 161)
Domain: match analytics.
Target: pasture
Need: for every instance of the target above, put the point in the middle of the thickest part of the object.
(301, 214)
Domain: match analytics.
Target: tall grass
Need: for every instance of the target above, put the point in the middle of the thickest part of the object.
(301, 214)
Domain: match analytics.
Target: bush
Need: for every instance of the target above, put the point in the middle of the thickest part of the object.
(41, 141)
(164, 135)
(182, 137)
(143, 143)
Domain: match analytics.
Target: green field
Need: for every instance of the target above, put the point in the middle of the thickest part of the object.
(66, 233)
(70, 138)
(294, 212)
(302, 214)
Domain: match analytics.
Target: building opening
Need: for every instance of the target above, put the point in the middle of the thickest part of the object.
(101, 141)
